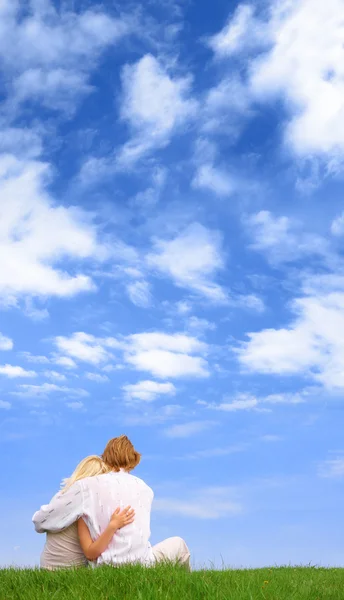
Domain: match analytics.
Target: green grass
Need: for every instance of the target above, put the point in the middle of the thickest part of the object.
(172, 583)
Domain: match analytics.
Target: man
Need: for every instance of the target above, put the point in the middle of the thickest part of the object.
(95, 499)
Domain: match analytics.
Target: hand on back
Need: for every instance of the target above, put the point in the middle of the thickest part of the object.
(121, 518)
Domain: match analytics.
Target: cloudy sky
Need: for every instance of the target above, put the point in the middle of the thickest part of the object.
(171, 237)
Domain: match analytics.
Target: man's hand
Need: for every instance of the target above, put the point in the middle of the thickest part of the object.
(121, 518)
(63, 510)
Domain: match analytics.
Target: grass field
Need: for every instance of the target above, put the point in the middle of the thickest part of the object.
(172, 583)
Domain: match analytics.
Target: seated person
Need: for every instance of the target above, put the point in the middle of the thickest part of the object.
(62, 549)
(94, 498)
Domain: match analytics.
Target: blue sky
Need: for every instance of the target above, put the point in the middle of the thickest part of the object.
(171, 233)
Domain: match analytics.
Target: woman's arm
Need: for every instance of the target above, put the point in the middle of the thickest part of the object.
(93, 549)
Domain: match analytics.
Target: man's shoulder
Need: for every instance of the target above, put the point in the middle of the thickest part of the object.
(114, 478)
(138, 481)
(121, 476)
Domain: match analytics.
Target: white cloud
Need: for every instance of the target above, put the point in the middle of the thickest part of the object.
(185, 430)
(43, 391)
(243, 402)
(48, 54)
(299, 57)
(55, 375)
(36, 234)
(337, 226)
(154, 104)
(200, 325)
(213, 179)
(148, 391)
(248, 402)
(85, 347)
(312, 85)
(287, 351)
(311, 346)
(111, 368)
(12, 371)
(95, 169)
(21, 141)
(209, 503)
(183, 307)
(208, 176)
(56, 89)
(5, 342)
(288, 398)
(282, 240)
(156, 416)
(162, 363)
(149, 197)
(250, 302)
(139, 293)
(161, 354)
(97, 377)
(226, 107)
(271, 438)
(65, 361)
(5, 405)
(216, 452)
(75, 405)
(241, 33)
(176, 342)
(43, 360)
(167, 356)
(270, 231)
(333, 468)
(191, 260)
(34, 313)
(50, 37)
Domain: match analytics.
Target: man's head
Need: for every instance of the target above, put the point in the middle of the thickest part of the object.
(119, 454)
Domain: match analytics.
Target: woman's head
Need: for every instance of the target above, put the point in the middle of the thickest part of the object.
(88, 467)
(120, 453)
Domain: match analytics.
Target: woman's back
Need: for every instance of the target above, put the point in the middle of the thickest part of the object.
(63, 550)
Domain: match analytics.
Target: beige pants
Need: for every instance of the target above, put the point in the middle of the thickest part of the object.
(173, 549)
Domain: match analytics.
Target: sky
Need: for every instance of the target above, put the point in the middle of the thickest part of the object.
(171, 238)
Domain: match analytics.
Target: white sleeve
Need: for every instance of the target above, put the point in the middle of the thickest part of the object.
(63, 510)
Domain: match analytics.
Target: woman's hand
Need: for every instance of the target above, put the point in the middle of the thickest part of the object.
(121, 518)
(93, 549)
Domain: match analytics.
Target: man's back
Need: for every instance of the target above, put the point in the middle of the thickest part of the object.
(101, 496)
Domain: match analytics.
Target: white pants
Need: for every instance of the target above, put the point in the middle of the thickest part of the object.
(173, 549)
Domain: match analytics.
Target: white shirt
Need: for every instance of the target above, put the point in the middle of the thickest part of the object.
(95, 499)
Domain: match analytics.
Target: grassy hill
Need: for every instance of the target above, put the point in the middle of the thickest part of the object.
(171, 583)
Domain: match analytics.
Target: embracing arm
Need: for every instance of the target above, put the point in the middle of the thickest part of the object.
(63, 510)
(93, 549)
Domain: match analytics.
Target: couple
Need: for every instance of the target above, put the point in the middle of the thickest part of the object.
(102, 515)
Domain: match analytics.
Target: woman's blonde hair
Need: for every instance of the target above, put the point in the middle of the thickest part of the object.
(88, 467)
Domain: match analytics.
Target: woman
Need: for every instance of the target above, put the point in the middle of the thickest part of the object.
(63, 549)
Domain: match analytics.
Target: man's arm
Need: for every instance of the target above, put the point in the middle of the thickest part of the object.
(63, 510)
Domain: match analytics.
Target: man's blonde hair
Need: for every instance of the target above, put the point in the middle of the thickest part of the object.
(88, 467)
(120, 453)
